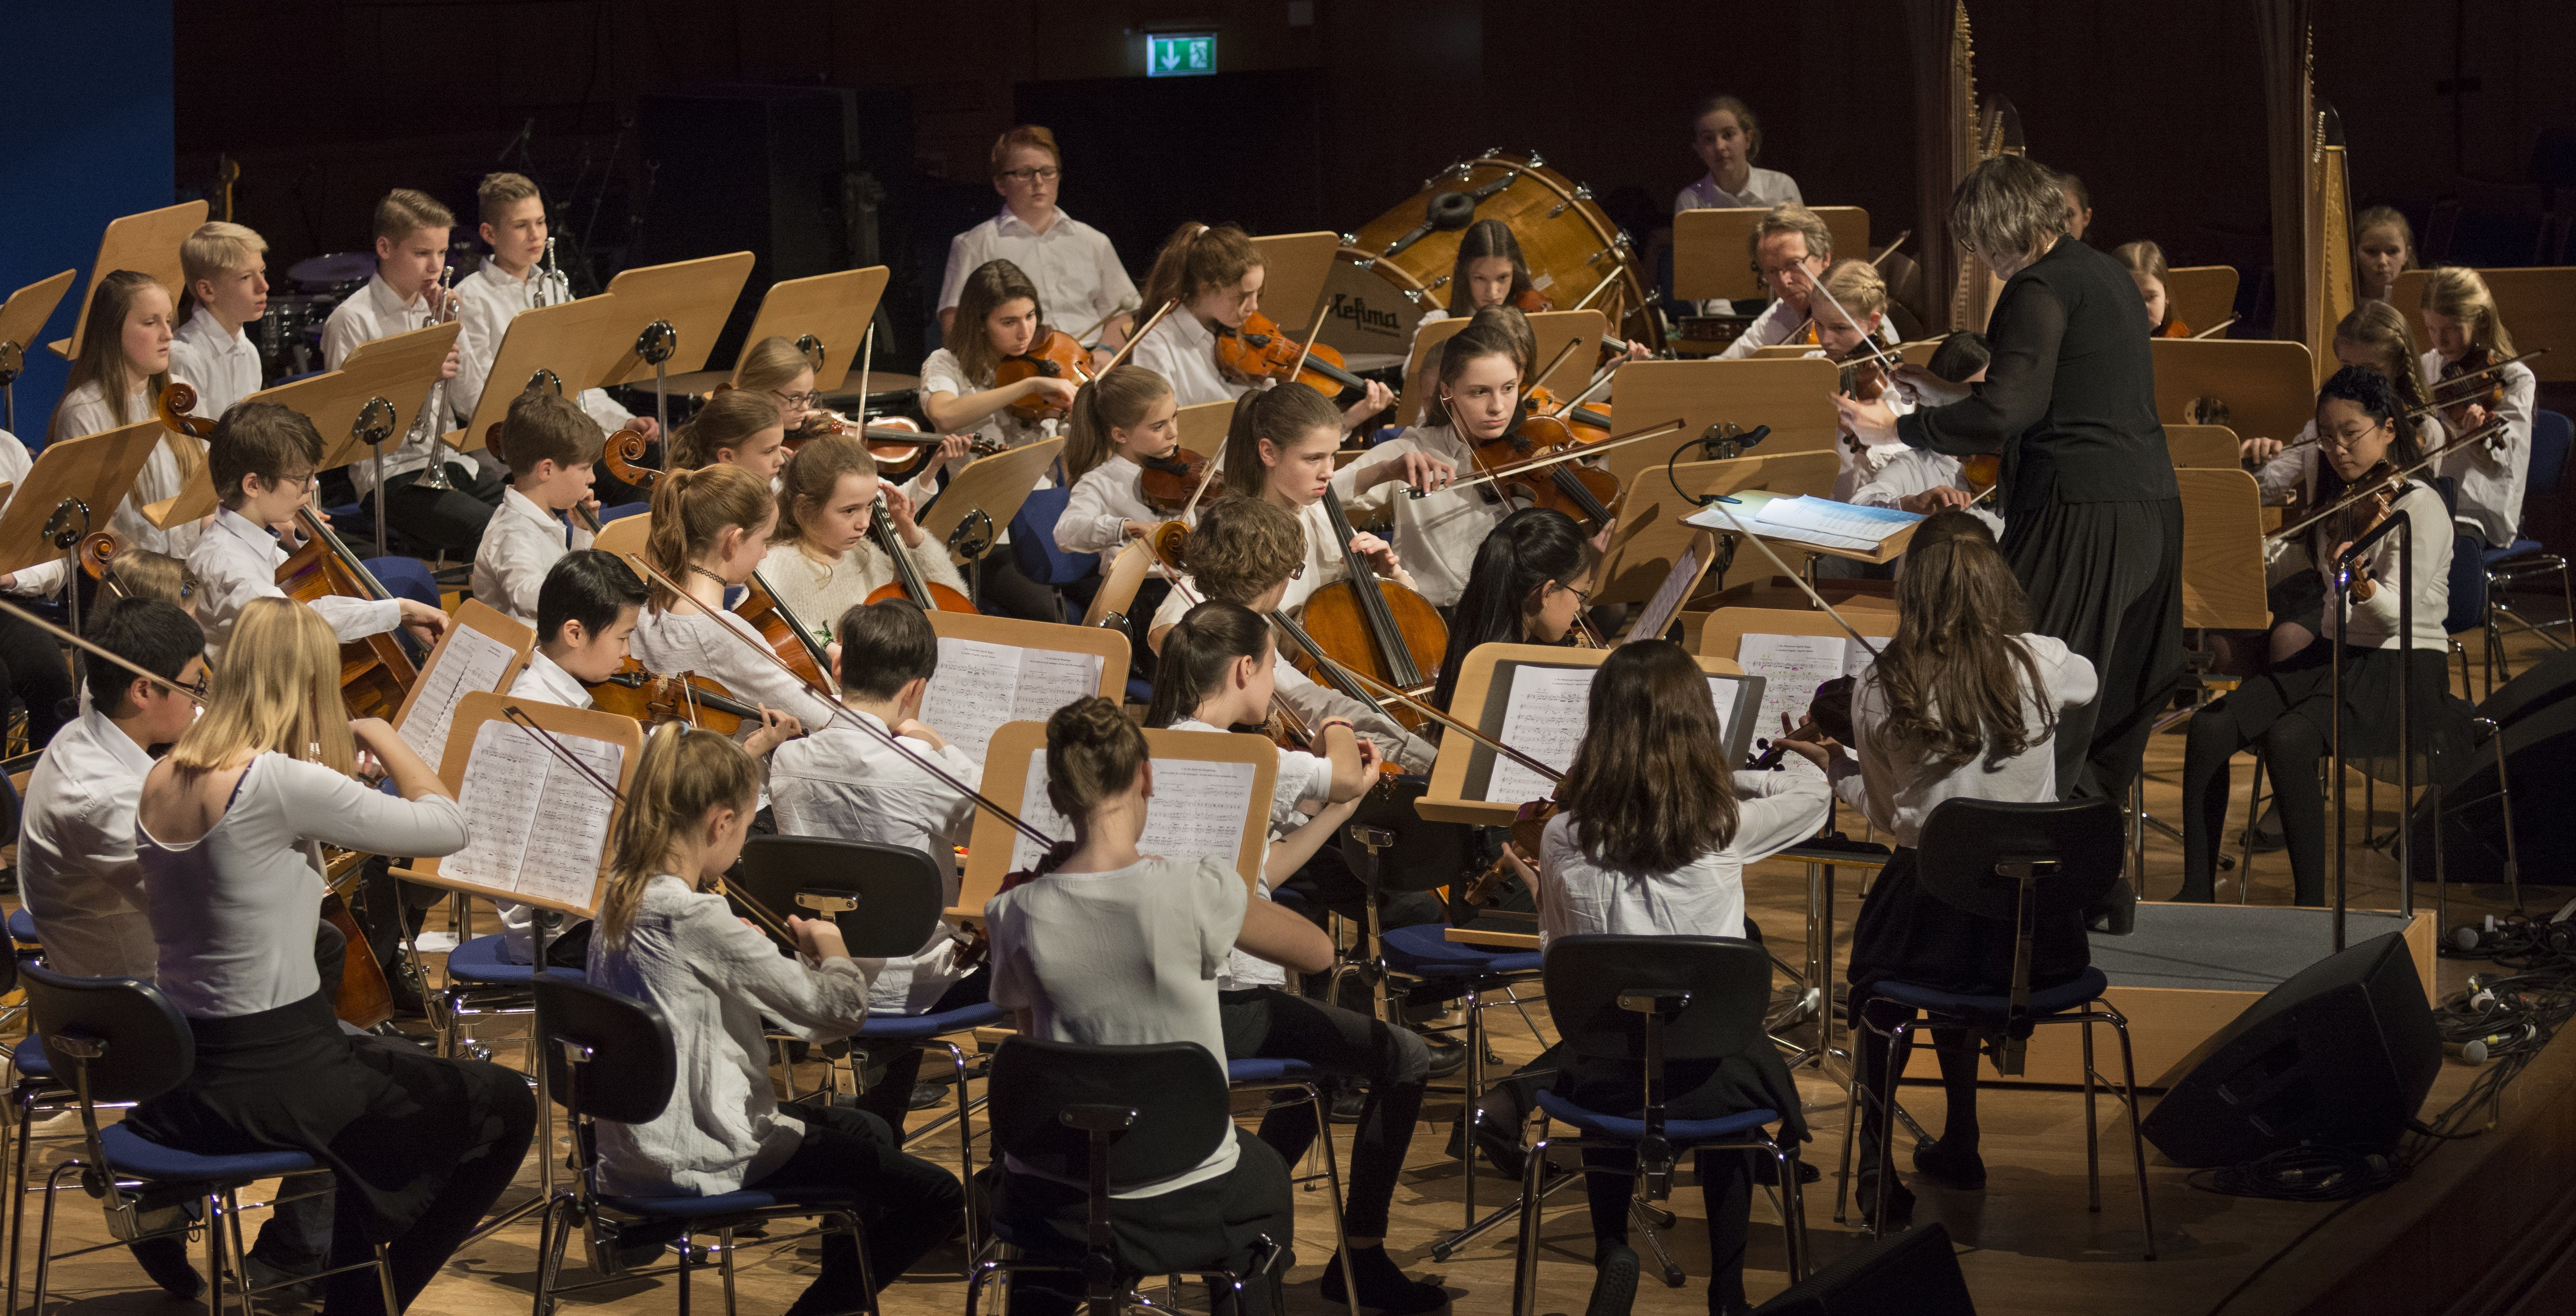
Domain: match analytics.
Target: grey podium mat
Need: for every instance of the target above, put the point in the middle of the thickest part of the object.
(2241, 948)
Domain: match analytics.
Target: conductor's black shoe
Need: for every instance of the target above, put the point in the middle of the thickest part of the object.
(1383, 1284)
(1950, 1167)
(1767, 1170)
(1614, 1290)
(1499, 1145)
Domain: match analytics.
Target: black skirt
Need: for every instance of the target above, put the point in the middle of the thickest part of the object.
(2106, 578)
(391, 1121)
(1907, 934)
(2374, 681)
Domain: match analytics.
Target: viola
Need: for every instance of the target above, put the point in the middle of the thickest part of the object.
(1260, 350)
(686, 697)
(1055, 355)
(1168, 483)
(788, 637)
(1561, 425)
(929, 596)
(2174, 328)
(1375, 627)
(1528, 830)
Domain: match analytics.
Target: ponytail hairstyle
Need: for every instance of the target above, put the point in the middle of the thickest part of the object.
(1532, 548)
(1117, 400)
(1284, 417)
(1094, 751)
(2380, 329)
(102, 350)
(691, 511)
(770, 365)
(991, 286)
(728, 420)
(812, 474)
(1197, 654)
(1194, 259)
(2449, 290)
(684, 772)
(276, 690)
(1481, 338)
(1957, 679)
(1483, 239)
(1650, 789)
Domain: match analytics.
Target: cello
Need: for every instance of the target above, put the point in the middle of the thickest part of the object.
(1376, 627)
(375, 673)
(929, 596)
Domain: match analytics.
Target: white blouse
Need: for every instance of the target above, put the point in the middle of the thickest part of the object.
(944, 373)
(669, 643)
(1103, 501)
(1436, 536)
(1183, 350)
(2374, 621)
(714, 979)
(219, 363)
(1303, 779)
(234, 910)
(1704, 898)
(2491, 475)
(819, 594)
(84, 411)
(1891, 783)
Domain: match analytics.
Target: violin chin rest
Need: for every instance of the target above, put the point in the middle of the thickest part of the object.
(1451, 210)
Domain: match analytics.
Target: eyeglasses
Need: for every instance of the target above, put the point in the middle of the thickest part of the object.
(1299, 573)
(2340, 442)
(800, 400)
(1034, 174)
(1581, 595)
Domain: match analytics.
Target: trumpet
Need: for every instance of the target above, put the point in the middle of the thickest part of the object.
(551, 289)
(434, 415)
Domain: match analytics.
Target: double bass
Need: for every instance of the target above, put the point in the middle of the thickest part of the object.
(1375, 627)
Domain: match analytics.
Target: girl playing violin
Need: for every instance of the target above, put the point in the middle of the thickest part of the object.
(1919, 479)
(2284, 713)
(117, 379)
(1475, 400)
(1119, 422)
(738, 427)
(824, 560)
(1212, 277)
(2466, 334)
(2383, 247)
(1531, 578)
(1850, 313)
(711, 529)
(1279, 449)
(2146, 262)
(998, 316)
(778, 367)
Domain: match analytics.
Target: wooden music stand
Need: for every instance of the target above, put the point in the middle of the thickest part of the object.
(1463, 764)
(1713, 249)
(398, 368)
(1202, 430)
(2222, 550)
(93, 471)
(23, 317)
(2269, 386)
(626, 534)
(1651, 531)
(1106, 643)
(483, 706)
(148, 242)
(1295, 266)
(2201, 295)
(1006, 782)
(1794, 398)
(832, 308)
(1679, 584)
(437, 692)
(995, 486)
(569, 339)
(2538, 302)
(2210, 446)
(1552, 329)
(671, 316)
(1118, 585)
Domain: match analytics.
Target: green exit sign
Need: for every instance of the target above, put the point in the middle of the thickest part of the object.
(1180, 55)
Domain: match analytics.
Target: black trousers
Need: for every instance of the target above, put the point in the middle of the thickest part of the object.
(1327, 884)
(448, 520)
(889, 1098)
(32, 668)
(907, 1206)
(1004, 592)
(1194, 1230)
(1264, 1023)
(422, 1250)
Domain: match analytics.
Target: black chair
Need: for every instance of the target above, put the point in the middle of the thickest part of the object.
(2015, 864)
(609, 1057)
(1651, 1001)
(1103, 1115)
(120, 1040)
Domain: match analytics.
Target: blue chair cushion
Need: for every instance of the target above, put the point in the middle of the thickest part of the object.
(1267, 1071)
(920, 1027)
(2043, 1000)
(1614, 1126)
(31, 1059)
(22, 926)
(623, 510)
(480, 961)
(1424, 951)
(1033, 544)
(2495, 556)
(1140, 691)
(738, 1202)
(131, 1153)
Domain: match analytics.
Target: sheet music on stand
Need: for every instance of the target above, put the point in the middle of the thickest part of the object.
(1197, 810)
(1211, 796)
(980, 685)
(538, 826)
(482, 650)
(1546, 715)
(1792, 666)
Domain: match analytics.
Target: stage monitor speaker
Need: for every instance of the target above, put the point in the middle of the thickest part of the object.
(1913, 1271)
(2540, 767)
(2540, 687)
(2341, 1055)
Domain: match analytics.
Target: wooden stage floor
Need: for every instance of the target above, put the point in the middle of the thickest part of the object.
(2027, 1243)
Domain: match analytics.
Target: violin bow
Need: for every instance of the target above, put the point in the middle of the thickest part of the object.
(883, 735)
(2218, 328)
(2455, 381)
(1309, 348)
(2481, 434)
(1386, 692)
(1120, 357)
(1296, 724)
(1809, 590)
(128, 664)
(1216, 463)
(1868, 340)
(1576, 453)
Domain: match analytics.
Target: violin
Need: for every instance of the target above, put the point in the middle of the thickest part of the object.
(1528, 830)
(929, 596)
(788, 637)
(1583, 492)
(1169, 482)
(1375, 627)
(898, 443)
(687, 697)
(1260, 350)
(1055, 355)
(623, 455)
(2174, 328)
(1576, 424)
(375, 673)
(1828, 713)
(2471, 381)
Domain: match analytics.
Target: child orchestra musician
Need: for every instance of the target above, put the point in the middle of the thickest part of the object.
(1211, 277)
(826, 559)
(737, 427)
(1919, 479)
(711, 529)
(2463, 332)
(2146, 262)
(1475, 399)
(551, 448)
(1530, 579)
(998, 317)
(404, 294)
(1490, 271)
(116, 379)
(2383, 247)
(510, 280)
(1847, 315)
(226, 268)
(1792, 249)
(1074, 267)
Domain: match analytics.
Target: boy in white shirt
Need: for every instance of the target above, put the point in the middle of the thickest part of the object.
(551, 448)
(262, 457)
(585, 610)
(226, 269)
(842, 782)
(404, 294)
(509, 281)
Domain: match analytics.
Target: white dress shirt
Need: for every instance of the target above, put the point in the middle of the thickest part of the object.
(1183, 351)
(220, 364)
(669, 643)
(491, 297)
(819, 594)
(1890, 781)
(1762, 187)
(1436, 535)
(1303, 779)
(1781, 323)
(76, 869)
(944, 373)
(2491, 475)
(44, 578)
(373, 312)
(233, 911)
(714, 979)
(1704, 898)
(1914, 471)
(1079, 280)
(521, 543)
(1103, 501)
(843, 783)
(236, 562)
(84, 411)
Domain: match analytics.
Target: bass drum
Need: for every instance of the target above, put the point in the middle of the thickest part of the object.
(1397, 267)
